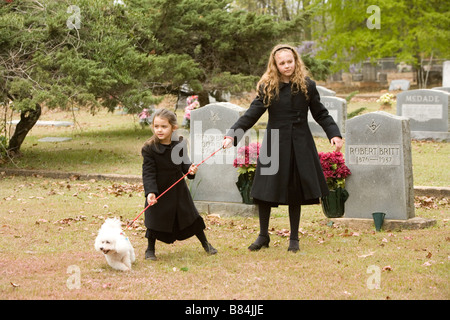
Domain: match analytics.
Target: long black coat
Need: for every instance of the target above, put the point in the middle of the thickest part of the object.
(159, 172)
(288, 114)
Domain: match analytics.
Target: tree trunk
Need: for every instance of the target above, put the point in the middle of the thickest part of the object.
(28, 119)
(203, 98)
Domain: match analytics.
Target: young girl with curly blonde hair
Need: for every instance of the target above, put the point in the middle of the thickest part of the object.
(287, 93)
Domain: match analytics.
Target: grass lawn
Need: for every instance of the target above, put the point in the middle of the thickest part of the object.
(48, 226)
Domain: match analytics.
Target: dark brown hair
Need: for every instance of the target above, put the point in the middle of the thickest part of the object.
(163, 114)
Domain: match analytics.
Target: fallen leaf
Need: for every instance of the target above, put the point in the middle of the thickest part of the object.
(429, 255)
(387, 268)
(15, 285)
(283, 232)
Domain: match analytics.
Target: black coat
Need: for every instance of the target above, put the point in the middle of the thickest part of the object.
(159, 172)
(288, 114)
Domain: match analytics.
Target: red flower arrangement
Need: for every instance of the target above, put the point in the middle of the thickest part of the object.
(334, 169)
(247, 157)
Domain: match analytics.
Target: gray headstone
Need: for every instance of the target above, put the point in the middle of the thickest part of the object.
(399, 85)
(216, 178)
(369, 71)
(427, 109)
(324, 92)
(378, 153)
(446, 74)
(337, 108)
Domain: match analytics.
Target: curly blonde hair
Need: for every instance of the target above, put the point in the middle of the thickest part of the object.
(269, 83)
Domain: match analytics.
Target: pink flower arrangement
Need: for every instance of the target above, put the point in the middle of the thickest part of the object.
(146, 113)
(145, 116)
(334, 169)
(192, 103)
(247, 157)
(245, 163)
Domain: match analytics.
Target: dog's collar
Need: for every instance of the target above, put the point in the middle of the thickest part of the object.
(123, 234)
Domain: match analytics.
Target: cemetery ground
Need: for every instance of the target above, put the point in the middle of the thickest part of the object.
(48, 225)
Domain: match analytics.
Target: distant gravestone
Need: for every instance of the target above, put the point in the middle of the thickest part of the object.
(337, 108)
(399, 85)
(216, 178)
(378, 153)
(324, 92)
(427, 110)
(446, 74)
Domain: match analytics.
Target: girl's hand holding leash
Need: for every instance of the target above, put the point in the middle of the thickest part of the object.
(227, 142)
(193, 169)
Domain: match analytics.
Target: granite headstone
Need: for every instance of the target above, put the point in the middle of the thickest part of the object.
(378, 153)
(216, 178)
(337, 108)
(446, 74)
(427, 110)
(324, 92)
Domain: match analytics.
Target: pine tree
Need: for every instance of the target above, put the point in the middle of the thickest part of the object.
(100, 53)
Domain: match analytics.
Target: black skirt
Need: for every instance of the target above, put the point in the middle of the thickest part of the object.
(177, 234)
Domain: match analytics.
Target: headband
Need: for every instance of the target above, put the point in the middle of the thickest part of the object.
(281, 48)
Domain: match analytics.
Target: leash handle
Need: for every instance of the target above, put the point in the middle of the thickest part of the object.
(184, 176)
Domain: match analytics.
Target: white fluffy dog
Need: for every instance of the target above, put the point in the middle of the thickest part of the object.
(116, 247)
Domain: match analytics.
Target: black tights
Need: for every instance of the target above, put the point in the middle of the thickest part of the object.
(294, 219)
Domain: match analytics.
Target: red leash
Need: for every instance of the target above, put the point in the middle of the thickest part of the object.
(152, 203)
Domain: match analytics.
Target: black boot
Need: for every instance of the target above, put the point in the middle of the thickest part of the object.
(150, 252)
(263, 238)
(205, 244)
(261, 241)
(209, 248)
(293, 245)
